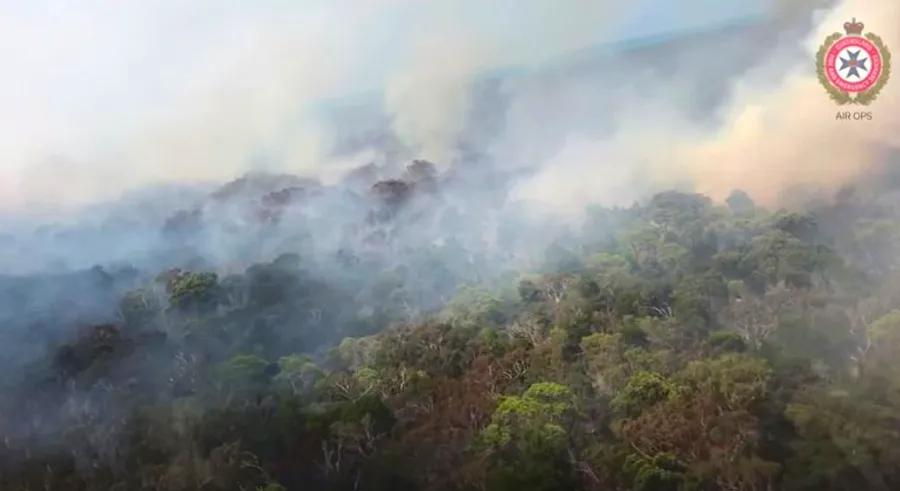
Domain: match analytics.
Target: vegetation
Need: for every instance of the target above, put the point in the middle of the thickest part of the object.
(676, 345)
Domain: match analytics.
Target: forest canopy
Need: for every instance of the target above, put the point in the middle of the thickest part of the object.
(679, 344)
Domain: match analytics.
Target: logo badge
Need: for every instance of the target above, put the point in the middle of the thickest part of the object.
(853, 67)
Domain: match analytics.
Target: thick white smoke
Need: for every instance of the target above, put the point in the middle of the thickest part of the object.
(775, 139)
(111, 98)
(102, 98)
(776, 129)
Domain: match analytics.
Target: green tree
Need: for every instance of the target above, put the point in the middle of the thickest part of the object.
(193, 292)
(642, 391)
(527, 439)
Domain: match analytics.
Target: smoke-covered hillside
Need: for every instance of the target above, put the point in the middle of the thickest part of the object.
(380, 247)
(446, 245)
(674, 344)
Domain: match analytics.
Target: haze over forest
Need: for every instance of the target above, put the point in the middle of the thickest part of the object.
(382, 244)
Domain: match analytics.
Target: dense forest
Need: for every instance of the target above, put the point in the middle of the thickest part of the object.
(677, 344)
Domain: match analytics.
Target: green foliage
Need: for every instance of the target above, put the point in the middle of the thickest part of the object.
(534, 418)
(800, 225)
(246, 366)
(694, 300)
(356, 352)
(528, 291)
(725, 341)
(845, 442)
(140, 308)
(661, 472)
(676, 345)
(642, 391)
(298, 372)
(242, 373)
(193, 291)
(886, 328)
(609, 265)
(737, 381)
(369, 406)
(633, 335)
(527, 437)
(474, 308)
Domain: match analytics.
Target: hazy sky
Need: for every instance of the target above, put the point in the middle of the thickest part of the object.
(101, 96)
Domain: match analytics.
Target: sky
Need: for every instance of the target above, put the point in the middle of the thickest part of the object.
(102, 97)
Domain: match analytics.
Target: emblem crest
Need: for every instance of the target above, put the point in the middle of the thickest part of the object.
(852, 67)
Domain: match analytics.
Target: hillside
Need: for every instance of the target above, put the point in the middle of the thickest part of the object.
(677, 344)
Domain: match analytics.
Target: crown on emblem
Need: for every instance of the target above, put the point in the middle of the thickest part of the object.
(853, 27)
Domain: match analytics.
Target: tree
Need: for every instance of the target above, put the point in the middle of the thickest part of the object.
(740, 202)
(756, 318)
(695, 299)
(643, 390)
(709, 422)
(527, 439)
(661, 472)
(300, 373)
(474, 308)
(243, 375)
(192, 292)
(845, 442)
(141, 308)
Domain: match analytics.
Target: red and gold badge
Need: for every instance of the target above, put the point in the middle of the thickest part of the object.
(853, 67)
